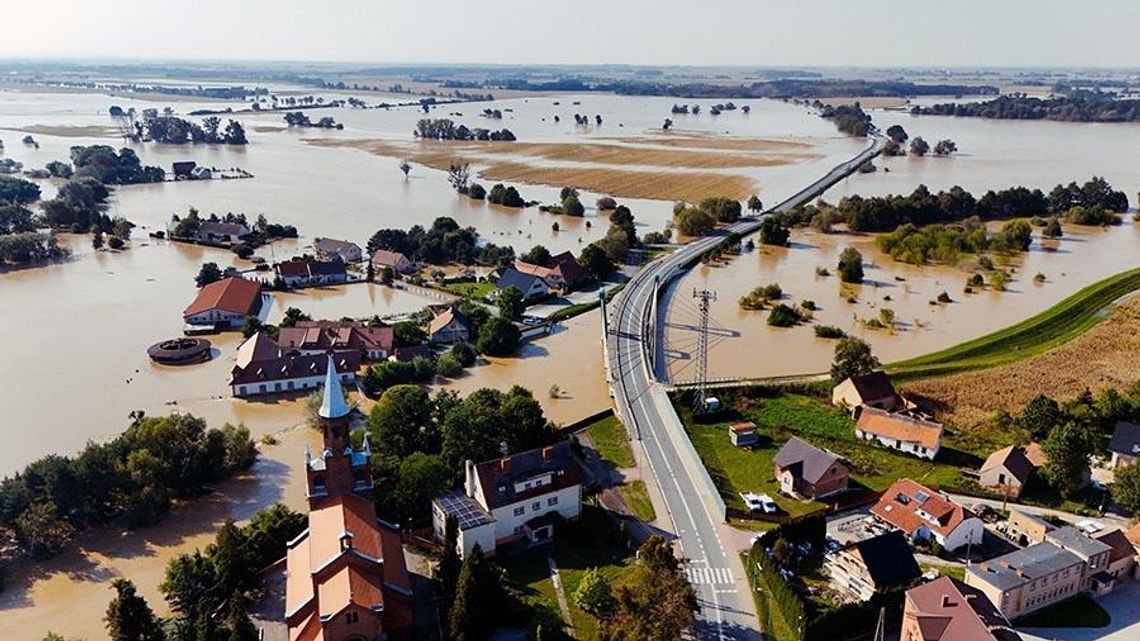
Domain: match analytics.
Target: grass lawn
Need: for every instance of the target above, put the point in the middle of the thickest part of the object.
(1041, 333)
(477, 291)
(1078, 612)
(612, 442)
(636, 497)
(577, 547)
(956, 572)
(777, 419)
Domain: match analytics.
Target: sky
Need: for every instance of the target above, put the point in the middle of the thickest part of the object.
(960, 33)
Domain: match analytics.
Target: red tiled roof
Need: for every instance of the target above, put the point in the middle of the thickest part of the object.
(387, 258)
(567, 266)
(444, 318)
(1118, 541)
(335, 335)
(899, 506)
(947, 610)
(235, 295)
(287, 367)
(900, 427)
(533, 270)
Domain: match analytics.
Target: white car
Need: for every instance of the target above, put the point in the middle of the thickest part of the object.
(759, 503)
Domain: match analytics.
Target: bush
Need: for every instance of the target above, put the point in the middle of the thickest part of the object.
(851, 266)
(829, 331)
(464, 353)
(724, 210)
(476, 191)
(691, 221)
(498, 337)
(772, 233)
(783, 316)
(448, 366)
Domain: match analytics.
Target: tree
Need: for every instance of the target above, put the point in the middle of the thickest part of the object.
(240, 626)
(724, 210)
(773, 233)
(851, 266)
(897, 134)
(511, 303)
(42, 530)
(606, 203)
(419, 478)
(1052, 229)
(476, 191)
(919, 147)
(129, 617)
(498, 337)
(1068, 449)
(595, 594)
(292, 315)
(464, 352)
(405, 167)
(692, 221)
(1126, 489)
(754, 204)
(208, 273)
(1038, 417)
(458, 174)
(478, 596)
(538, 255)
(594, 260)
(852, 358)
(654, 600)
(571, 206)
(97, 241)
(945, 147)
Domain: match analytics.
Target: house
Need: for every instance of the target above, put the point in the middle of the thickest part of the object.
(923, 514)
(872, 390)
(743, 434)
(224, 303)
(859, 570)
(1125, 444)
(1122, 558)
(215, 232)
(263, 368)
(1093, 553)
(514, 498)
(553, 279)
(331, 249)
(901, 431)
(201, 173)
(1027, 580)
(531, 286)
(1006, 471)
(321, 337)
(1024, 528)
(182, 170)
(949, 610)
(807, 472)
(346, 578)
(397, 262)
(566, 266)
(449, 326)
(308, 271)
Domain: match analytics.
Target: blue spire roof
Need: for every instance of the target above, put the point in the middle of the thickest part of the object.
(332, 405)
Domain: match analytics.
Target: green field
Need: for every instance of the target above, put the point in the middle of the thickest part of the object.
(477, 291)
(777, 419)
(636, 497)
(611, 442)
(1041, 333)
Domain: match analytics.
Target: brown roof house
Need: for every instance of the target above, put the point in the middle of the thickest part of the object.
(903, 432)
(1122, 558)
(321, 337)
(333, 249)
(514, 498)
(346, 578)
(872, 390)
(884, 562)
(1125, 444)
(567, 267)
(949, 610)
(308, 271)
(214, 232)
(1006, 471)
(807, 472)
(449, 326)
(395, 261)
(224, 303)
(262, 367)
(923, 514)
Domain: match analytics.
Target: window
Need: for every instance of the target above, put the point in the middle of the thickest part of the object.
(519, 511)
(536, 506)
(552, 501)
(518, 529)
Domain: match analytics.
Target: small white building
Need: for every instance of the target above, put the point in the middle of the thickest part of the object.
(901, 431)
(873, 389)
(519, 497)
(397, 262)
(219, 232)
(224, 303)
(332, 249)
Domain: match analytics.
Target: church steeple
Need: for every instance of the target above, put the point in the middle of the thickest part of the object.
(333, 405)
(339, 469)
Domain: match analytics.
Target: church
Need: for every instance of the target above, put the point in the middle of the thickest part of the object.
(346, 575)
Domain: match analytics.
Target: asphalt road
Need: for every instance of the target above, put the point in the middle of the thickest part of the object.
(727, 611)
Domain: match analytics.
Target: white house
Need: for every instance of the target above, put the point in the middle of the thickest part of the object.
(923, 514)
(224, 303)
(261, 368)
(219, 232)
(333, 249)
(873, 389)
(903, 432)
(449, 326)
(530, 285)
(513, 498)
(1125, 444)
(395, 261)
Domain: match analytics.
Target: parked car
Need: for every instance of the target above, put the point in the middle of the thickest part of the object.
(759, 503)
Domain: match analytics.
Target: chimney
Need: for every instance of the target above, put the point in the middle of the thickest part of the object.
(548, 453)
(469, 484)
(947, 602)
(505, 464)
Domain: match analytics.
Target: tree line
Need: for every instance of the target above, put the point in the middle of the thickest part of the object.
(446, 129)
(1078, 106)
(173, 130)
(444, 242)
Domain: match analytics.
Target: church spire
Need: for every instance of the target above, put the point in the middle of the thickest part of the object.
(333, 405)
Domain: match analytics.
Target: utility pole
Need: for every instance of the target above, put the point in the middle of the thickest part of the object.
(705, 296)
(880, 629)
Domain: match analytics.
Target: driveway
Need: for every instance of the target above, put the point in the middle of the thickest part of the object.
(1123, 606)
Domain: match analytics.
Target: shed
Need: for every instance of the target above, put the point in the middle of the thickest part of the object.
(743, 434)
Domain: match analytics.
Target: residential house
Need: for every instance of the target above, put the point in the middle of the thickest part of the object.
(263, 368)
(923, 514)
(553, 279)
(1122, 558)
(1093, 553)
(1125, 444)
(346, 578)
(859, 570)
(397, 262)
(872, 390)
(1025, 529)
(949, 610)
(1028, 580)
(307, 271)
(743, 434)
(566, 266)
(321, 337)
(807, 472)
(1006, 471)
(901, 431)
(449, 326)
(224, 303)
(215, 232)
(182, 170)
(331, 249)
(514, 498)
(531, 286)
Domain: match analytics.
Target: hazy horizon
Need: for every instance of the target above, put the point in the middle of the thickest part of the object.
(719, 33)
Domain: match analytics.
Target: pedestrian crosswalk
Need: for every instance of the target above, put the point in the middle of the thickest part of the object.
(709, 576)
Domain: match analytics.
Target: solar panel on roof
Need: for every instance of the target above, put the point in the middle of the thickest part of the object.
(921, 496)
(466, 511)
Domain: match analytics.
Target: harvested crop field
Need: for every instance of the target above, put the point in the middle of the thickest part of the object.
(593, 168)
(1104, 356)
(72, 131)
(688, 140)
